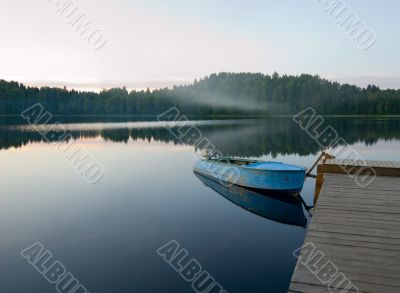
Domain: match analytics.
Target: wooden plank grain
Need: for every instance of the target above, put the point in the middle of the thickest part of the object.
(362, 223)
(300, 287)
(351, 252)
(355, 230)
(339, 192)
(349, 177)
(355, 187)
(360, 208)
(366, 267)
(365, 284)
(358, 215)
(355, 237)
(355, 274)
(393, 202)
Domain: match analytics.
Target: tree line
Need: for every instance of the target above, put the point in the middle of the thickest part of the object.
(217, 94)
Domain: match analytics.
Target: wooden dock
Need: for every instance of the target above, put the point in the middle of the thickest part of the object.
(354, 232)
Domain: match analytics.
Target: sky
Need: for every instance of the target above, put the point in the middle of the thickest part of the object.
(159, 43)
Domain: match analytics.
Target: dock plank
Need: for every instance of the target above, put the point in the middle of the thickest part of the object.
(359, 215)
(356, 228)
(338, 220)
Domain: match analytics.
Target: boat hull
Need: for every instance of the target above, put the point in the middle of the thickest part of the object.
(282, 178)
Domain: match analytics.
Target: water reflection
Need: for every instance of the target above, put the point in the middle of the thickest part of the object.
(245, 138)
(273, 206)
(107, 234)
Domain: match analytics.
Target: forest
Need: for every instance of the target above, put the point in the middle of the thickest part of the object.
(215, 95)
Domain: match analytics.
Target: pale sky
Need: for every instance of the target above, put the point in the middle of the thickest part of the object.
(157, 43)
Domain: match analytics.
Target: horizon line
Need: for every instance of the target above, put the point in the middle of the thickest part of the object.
(383, 82)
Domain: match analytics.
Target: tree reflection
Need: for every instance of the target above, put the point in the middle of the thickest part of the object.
(246, 138)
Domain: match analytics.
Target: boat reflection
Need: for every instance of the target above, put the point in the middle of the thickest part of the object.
(278, 207)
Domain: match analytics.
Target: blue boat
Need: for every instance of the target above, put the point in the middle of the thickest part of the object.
(274, 176)
(277, 207)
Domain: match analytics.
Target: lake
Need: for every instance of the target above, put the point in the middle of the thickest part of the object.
(107, 234)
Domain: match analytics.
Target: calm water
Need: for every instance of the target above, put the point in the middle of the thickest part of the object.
(107, 234)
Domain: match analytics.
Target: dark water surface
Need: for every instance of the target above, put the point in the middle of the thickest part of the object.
(106, 234)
